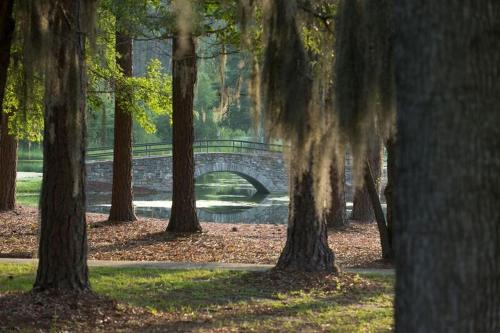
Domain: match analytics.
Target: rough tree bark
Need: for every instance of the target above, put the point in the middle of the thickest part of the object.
(336, 215)
(8, 143)
(306, 247)
(448, 159)
(8, 165)
(63, 235)
(183, 216)
(362, 208)
(122, 208)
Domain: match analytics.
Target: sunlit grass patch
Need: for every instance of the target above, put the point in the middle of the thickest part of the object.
(261, 302)
(28, 191)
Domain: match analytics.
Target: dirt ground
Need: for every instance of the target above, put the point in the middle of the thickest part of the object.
(355, 246)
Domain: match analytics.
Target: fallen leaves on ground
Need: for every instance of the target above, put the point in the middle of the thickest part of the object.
(356, 245)
(82, 312)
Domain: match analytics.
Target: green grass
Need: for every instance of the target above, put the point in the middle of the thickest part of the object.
(30, 165)
(28, 191)
(237, 300)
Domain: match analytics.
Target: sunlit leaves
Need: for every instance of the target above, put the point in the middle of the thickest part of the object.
(25, 110)
(141, 96)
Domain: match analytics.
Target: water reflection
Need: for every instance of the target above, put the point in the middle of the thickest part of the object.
(220, 197)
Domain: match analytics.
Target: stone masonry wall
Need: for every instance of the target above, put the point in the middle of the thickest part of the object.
(268, 170)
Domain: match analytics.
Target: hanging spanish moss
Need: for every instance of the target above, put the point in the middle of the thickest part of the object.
(292, 90)
(36, 16)
(286, 76)
(319, 109)
(364, 75)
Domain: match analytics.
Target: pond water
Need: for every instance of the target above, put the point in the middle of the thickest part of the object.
(220, 197)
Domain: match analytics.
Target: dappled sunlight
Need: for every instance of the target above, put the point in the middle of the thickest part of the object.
(258, 301)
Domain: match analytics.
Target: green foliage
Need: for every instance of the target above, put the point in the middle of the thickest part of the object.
(149, 94)
(219, 86)
(24, 91)
(25, 115)
(131, 15)
(142, 96)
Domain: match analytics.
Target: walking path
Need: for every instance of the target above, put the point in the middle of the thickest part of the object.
(189, 265)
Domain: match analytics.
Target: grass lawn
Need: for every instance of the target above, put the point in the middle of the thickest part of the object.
(206, 301)
(28, 191)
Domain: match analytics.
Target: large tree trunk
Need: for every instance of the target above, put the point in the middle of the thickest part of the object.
(8, 143)
(63, 235)
(122, 208)
(336, 215)
(183, 217)
(448, 190)
(8, 165)
(306, 246)
(362, 207)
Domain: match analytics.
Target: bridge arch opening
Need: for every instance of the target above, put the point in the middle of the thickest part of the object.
(222, 192)
(260, 188)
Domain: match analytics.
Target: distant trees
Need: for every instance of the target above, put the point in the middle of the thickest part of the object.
(447, 233)
(63, 235)
(362, 209)
(336, 212)
(8, 142)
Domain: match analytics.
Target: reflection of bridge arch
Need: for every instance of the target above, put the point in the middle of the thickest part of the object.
(259, 181)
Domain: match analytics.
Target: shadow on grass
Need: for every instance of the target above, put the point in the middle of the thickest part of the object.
(207, 299)
(196, 289)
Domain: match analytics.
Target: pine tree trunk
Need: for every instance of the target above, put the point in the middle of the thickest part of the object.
(448, 159)
(63, 235)
(336, 216)
(306, 246)
(183, 216)
(362, 208)
(8, 143)
(122, 208)
(8, 166)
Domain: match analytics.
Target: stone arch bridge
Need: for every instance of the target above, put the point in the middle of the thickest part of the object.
(260, 164)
